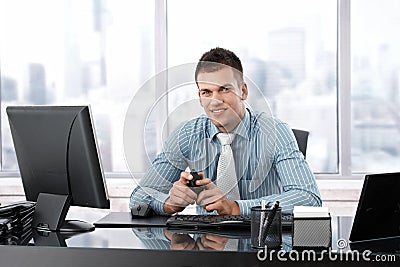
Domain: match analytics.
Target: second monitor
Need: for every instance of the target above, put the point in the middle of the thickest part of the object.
(59, 163)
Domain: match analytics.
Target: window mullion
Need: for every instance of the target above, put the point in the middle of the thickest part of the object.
(344, 88)
(160, 46)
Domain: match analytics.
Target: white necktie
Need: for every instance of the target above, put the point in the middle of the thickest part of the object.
(226, 173)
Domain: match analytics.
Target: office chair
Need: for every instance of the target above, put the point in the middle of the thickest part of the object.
(302, 139)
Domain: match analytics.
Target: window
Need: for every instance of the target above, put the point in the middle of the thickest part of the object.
(72, 52)
(375, 75)
(99, 52)
(288, 51)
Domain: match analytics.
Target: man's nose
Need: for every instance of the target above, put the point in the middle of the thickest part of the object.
(216, 96)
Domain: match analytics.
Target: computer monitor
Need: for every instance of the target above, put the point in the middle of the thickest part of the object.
(378, 211)
(59, 163)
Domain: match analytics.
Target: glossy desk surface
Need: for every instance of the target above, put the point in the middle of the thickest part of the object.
(157, 246)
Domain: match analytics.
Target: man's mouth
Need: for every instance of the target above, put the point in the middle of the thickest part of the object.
(219, 110)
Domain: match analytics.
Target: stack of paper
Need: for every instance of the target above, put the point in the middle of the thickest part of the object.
(310, 212)
(311, 227)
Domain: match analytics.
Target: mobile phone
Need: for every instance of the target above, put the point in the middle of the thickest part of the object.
(196, 176)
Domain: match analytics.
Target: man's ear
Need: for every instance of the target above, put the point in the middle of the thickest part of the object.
(245, 91)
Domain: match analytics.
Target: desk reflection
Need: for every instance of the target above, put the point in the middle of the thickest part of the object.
(163, 238)
(173, 239)
(158, 238)
(183, 241)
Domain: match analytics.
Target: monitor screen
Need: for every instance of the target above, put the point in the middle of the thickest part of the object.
(378, 211)
(59, 163)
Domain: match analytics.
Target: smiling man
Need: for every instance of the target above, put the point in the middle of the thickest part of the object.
(221, 95)
(243, 156)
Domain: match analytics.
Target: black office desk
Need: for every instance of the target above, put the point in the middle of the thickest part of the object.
(136, 247)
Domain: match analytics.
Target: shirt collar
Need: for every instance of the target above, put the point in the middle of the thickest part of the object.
(243, 128)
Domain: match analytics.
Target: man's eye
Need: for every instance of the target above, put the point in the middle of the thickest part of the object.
(224, 89)
(204, 93)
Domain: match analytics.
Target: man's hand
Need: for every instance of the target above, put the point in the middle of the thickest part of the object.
(212, 198)
(180, 194)
(183, 242)
(180, 241)
(186, 242)
(211, 242)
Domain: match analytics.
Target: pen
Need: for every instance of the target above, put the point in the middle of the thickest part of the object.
(268, 221)
(262, 218)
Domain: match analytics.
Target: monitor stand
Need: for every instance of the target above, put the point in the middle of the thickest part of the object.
(51, 239)
(50, 213)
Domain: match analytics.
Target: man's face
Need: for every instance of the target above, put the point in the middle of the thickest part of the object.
(221, 96)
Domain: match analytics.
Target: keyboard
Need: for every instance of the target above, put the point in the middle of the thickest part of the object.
(212, 221)
(219, 221)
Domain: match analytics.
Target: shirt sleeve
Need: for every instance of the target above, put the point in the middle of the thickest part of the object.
(153, 188)
(297, 181)
(153, 238)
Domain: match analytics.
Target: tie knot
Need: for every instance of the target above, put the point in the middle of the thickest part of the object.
(225, 138)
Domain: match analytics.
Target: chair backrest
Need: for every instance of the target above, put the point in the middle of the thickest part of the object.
(302, 139)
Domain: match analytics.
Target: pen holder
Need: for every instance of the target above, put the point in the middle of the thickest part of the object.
(259, 237)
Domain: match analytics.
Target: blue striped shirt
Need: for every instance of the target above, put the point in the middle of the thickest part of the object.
(269, 165)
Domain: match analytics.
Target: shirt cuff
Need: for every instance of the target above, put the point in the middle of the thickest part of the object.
(245, 205)
(158, 203)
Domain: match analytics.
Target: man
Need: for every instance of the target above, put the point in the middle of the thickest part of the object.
(266, 162)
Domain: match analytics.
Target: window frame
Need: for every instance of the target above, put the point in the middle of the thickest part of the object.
(343, 89)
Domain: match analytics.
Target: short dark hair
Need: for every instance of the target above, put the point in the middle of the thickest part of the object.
(218, 55)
